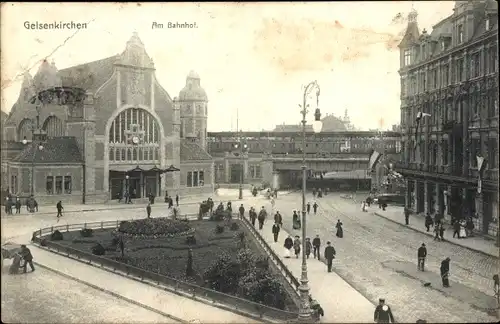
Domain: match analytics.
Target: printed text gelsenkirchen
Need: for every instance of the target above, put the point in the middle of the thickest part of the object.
(54, 25)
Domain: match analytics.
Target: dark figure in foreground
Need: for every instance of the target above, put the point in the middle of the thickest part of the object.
(316, 245)
(28, 258)
(276, 231)
(253, 215)
(445, 272)
(383, 313)
(316, 307)
(329, 255)
(18, 205)
(421, 254)
(340, 231)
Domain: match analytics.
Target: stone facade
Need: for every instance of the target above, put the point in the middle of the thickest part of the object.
(125, 126)
(451, 75)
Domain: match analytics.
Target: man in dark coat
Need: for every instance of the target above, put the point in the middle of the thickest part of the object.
(308, 207)
(262, 217)
(329, 255)
(445, 272)
(177, 200)
(278, 219)
(18, 205)
(316, 245)
(59, 210)
(407, 216)
(242, 211)
(170, 202)
(456, 228)
(28, 258)
(148, 210)
(315, 207)
(253, 215)
(383, 313)
(421, 254)
(276, 231)
(428, 222)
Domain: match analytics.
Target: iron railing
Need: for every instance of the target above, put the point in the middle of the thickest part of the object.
(189, 290)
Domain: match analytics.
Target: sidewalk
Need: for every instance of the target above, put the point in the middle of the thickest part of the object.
(142, 294)
(475, 243)
(341, 302)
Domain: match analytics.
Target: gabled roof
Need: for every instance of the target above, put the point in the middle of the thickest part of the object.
(191, 151)
(88, 76)
(55, 150)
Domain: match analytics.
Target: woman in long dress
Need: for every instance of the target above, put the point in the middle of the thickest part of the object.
(340, 231)
(296, 220)
(462, 229)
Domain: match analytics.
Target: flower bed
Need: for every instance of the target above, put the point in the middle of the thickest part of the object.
(155, 227)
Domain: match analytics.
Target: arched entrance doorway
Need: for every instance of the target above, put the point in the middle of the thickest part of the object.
(133, 150)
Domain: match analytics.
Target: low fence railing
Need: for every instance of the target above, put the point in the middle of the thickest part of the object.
(189, 290)
(288, 274)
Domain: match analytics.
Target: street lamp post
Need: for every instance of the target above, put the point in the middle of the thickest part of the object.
(35, 130)
(243, 147)
(305, 309)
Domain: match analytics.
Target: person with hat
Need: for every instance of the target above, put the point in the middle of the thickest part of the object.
(316, 243)
(329, 255)
(28, 258)
(421, 254)
(445, 272)
(383, 313)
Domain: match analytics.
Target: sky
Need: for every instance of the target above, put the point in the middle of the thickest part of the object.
(254, 59)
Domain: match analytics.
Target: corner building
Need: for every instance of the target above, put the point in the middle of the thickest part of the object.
(452, 74)
(101, 121)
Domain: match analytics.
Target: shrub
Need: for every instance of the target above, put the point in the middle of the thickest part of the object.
(56, 236)
(154, 226)
(190, 240)
(261, 286)
(219, 229)
(87, 232)
(234, 227)
(43, 242)
(98, 249)
(115, 241)
(223, 274)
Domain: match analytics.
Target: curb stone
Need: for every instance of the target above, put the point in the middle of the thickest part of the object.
(432, 235)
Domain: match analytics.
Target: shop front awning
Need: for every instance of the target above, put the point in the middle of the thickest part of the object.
(142, 168)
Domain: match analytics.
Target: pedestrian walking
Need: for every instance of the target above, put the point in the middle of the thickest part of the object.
(340, 231)
(441, 231)
(296, 220)
(316, 247)
(296, 246)
(383, 313)
(288, 246)
(262, 217)
(59, 210)
(278, 219)
(456, 228)
(407, 216)
(329, 255)
(276, 231)
(7, 203)
(148, 210)
(242, 211)
(28, 258)
(308, 247)
(428, 222)
(18, 205)
(421, 255)
(177, 200)
(445, 272)
(469, 226)
(436, 232)
(315, 207)
(253, 215)
(308, 207)
(170, 202)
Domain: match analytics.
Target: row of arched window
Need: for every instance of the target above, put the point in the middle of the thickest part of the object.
(53, 126)
(134, 154)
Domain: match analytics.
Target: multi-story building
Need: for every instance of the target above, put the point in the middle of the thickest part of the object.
(275, 157)
(104, 128)
(451, 76)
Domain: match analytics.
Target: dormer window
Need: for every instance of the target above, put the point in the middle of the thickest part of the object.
(460, 34)
(407, 57)
(487, 25)
(443, 45)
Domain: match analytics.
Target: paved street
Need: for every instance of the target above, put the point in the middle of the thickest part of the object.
(376, 255)
(46, 297)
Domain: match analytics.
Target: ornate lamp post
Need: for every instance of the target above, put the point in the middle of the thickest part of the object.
(243, 148)
(35, 135)
(127, 193)
(305, 307)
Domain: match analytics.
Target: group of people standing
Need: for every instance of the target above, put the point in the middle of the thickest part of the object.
(314, 247)
(14, 203)
(444, 268)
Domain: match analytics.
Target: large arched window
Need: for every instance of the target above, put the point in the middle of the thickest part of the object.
(24, 130)
(133, 133)
(53, 126)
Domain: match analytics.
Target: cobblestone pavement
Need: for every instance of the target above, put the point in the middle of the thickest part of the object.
(371, 243)
(45, 297)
